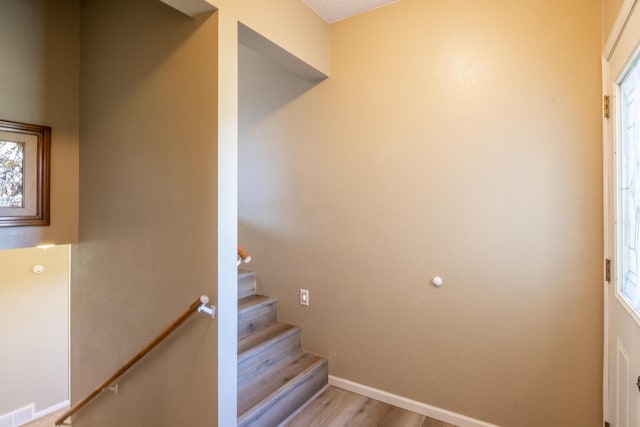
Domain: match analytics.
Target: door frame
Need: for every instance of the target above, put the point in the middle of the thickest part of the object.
(609, 250)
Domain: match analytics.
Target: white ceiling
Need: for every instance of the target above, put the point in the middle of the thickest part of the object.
(335, 10)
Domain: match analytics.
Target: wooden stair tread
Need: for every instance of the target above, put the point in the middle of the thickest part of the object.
(274, 376)
(256, 312)
(265, 349)
(265, 389)
(262, 337)
(253, 302)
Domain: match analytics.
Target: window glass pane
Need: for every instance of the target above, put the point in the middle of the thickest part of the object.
(629, 182)
(11, 174)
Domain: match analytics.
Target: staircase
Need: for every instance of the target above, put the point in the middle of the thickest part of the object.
(275, 377)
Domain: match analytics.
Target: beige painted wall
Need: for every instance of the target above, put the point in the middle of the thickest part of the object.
(610, 10)
(148, 213)
(459, 139)
(34, 328)
(40, 47)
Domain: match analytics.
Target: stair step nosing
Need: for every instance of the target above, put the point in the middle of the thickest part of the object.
(249, 353)
(305, 405)
(274, 397)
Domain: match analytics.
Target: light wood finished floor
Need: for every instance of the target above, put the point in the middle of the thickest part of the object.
(336, 407)
(332, 408)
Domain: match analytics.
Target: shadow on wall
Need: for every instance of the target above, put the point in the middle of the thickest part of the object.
(267, 88)
(264, 89)
(145, 66)
(149, 63)
(39, 45)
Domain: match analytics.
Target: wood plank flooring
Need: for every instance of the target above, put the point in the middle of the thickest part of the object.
(340, 408)
(332, 408)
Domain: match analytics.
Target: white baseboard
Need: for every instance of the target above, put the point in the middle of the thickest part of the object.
(408, 404)
(51, 409)
(27, 414)
(17, 417)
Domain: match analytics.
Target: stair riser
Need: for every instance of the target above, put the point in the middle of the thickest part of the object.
(290, 399)
(256, 319)
(256, 362)
(246, 284)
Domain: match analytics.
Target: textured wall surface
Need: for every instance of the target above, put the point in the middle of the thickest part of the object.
(40, 51)
(459, 139)
(148, 214)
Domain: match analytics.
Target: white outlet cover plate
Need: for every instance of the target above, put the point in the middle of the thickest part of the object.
(304, 297)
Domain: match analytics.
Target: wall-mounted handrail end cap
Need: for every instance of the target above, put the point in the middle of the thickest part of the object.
(204, 299)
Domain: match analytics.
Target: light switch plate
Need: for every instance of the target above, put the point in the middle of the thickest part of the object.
(304, 297)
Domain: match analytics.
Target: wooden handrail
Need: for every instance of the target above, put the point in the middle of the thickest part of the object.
(243, 254)
(152, 344)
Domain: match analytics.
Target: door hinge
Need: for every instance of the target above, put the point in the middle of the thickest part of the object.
(606, 107)
(607, 270)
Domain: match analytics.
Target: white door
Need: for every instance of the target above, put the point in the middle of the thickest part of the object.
(622, 229)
